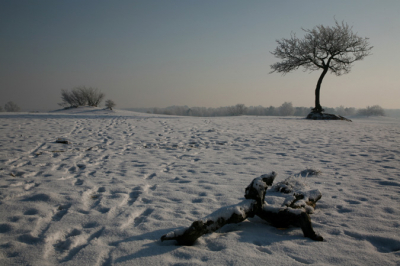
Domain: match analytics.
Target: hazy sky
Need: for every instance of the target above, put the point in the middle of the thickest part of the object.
(188, 52)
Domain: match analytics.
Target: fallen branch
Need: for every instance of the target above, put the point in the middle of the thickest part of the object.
(293, 212)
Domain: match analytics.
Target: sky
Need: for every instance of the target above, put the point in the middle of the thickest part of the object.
(188, 52)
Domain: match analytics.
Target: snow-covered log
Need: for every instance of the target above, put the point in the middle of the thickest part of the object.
(292, 213)
(254, 194)
(257, 188)
(300, 197)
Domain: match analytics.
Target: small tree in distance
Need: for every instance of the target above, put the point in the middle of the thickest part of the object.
(11, 107)
(93, 96)
(110, 104)
(81, 96)
(331, 49)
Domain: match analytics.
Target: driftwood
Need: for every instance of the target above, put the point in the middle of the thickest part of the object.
(294, 212)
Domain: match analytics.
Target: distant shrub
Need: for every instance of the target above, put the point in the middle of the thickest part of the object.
(341, 110)
(238, 109)
(375, 110)
(272, 111)
(11, 107)
(392, 112)
(167, 112)
(1, 109)
(81, 96)
(286, 109)
(256, 110)
(110, 104)
(301, 111)
(93, 96)
(73, 98)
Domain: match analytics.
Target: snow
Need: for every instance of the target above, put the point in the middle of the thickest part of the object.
(125, 179)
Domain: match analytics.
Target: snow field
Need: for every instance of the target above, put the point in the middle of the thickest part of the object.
(127, 178)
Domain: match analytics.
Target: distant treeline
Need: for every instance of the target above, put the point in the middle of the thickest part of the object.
(10, 107)
(286, 109)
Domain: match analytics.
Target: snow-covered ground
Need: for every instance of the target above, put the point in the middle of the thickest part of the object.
(125, 179)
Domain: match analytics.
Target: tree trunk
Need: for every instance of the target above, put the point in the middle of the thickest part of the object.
(318, 107)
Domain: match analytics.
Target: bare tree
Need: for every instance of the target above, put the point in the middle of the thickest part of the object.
(110, 104)
(1, 109)
(93, 96)
(81, 96)
(331, 49)
(73, 98)
(11, 107)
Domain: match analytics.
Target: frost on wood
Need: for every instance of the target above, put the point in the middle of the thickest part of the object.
(294, 212)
